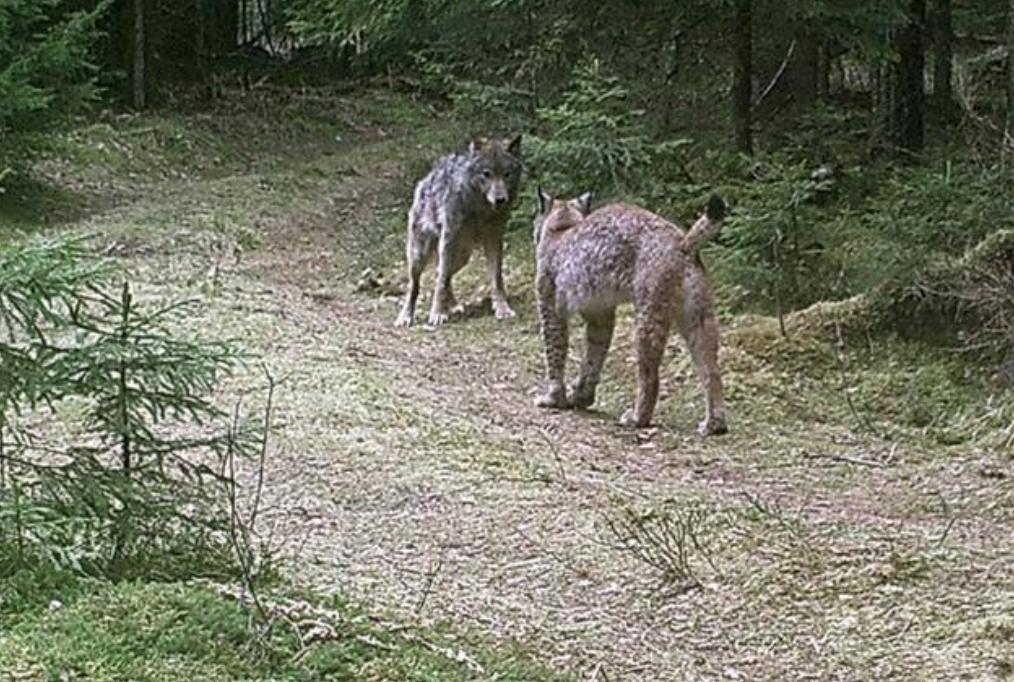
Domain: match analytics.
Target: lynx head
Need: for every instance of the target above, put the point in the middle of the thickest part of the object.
(495, 169)
(559, 215)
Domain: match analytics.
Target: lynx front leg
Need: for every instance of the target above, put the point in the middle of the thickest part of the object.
(493, 247)
(598, 337)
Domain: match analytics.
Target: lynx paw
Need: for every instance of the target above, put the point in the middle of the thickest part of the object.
(552, 400)
(581, 397)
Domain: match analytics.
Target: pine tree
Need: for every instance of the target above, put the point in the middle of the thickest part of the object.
(46, 72)
(144, 474)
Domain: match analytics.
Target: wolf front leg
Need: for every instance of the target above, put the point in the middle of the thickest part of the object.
(493, 247)
(417, 251)
(442, 296)
(554, 341)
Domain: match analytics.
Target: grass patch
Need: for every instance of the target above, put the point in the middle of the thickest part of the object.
(174, 631)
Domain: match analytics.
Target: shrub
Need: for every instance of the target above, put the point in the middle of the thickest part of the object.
(135, 483)
(916, 217)
(594, 140)
(775, 245)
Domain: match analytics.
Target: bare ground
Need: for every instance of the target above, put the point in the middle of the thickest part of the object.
(411, 469)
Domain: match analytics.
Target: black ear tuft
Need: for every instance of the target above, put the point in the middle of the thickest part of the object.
(716, 209)
(545, 201)
(584, 203)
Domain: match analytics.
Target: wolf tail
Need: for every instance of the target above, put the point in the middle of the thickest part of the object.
(706, 226)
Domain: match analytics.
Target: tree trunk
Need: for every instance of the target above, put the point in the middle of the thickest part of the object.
(140, 69)
(807, 68)
(1010, 69)
(742, 88)
(222, 23)
(824, 71)
(943, 39)
(908, 105)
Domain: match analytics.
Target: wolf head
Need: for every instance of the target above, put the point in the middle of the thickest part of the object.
(495, 170)
(558, 215)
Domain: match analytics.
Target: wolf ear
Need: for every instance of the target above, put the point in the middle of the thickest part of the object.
(514, 145)
(477, 143)
(545, 201)
(584, 203)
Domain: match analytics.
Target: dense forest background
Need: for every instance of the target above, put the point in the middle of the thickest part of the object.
(863, 142)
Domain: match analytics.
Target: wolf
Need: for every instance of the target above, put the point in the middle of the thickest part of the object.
(464, 202)
(590, 262)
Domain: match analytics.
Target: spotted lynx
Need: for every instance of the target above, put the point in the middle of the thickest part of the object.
(591, 262)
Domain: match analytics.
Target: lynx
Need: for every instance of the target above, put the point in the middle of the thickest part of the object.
(590, 262)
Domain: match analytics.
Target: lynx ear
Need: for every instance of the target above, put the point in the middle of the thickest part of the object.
(514, 145)
(545, 201)
(583, 203)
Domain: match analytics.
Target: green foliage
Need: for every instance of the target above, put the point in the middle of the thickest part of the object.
(170, 631)
(916, 216)
(593, 139)
(773, 245)
(967, 300)
(46, 74)
(373, 34)
(136, 488)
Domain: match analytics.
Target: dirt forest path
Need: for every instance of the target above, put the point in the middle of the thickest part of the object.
(411, 470)
(447, 496)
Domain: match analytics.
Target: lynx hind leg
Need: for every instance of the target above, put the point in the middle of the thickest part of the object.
(652, 331)
(598, 337)
(554, 341)
(702, 338)
(418, 250)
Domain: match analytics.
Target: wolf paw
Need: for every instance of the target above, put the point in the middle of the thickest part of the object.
(715, 426)
(503, 311)
(404, 319)
(437, 318)
(630, 419)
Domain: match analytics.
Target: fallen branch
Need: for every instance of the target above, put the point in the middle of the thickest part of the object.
(845, 458)
(778, 75)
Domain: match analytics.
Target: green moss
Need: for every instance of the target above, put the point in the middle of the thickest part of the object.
(172, 631)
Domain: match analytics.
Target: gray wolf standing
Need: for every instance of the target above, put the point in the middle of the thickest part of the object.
(590, 262)
(463, 203)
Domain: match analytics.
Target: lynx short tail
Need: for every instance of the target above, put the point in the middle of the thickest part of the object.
(706, 226)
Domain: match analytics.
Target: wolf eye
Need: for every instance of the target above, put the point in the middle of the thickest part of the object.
(487, 174)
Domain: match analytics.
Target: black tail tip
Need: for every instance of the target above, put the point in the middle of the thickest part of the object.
(716, 209)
